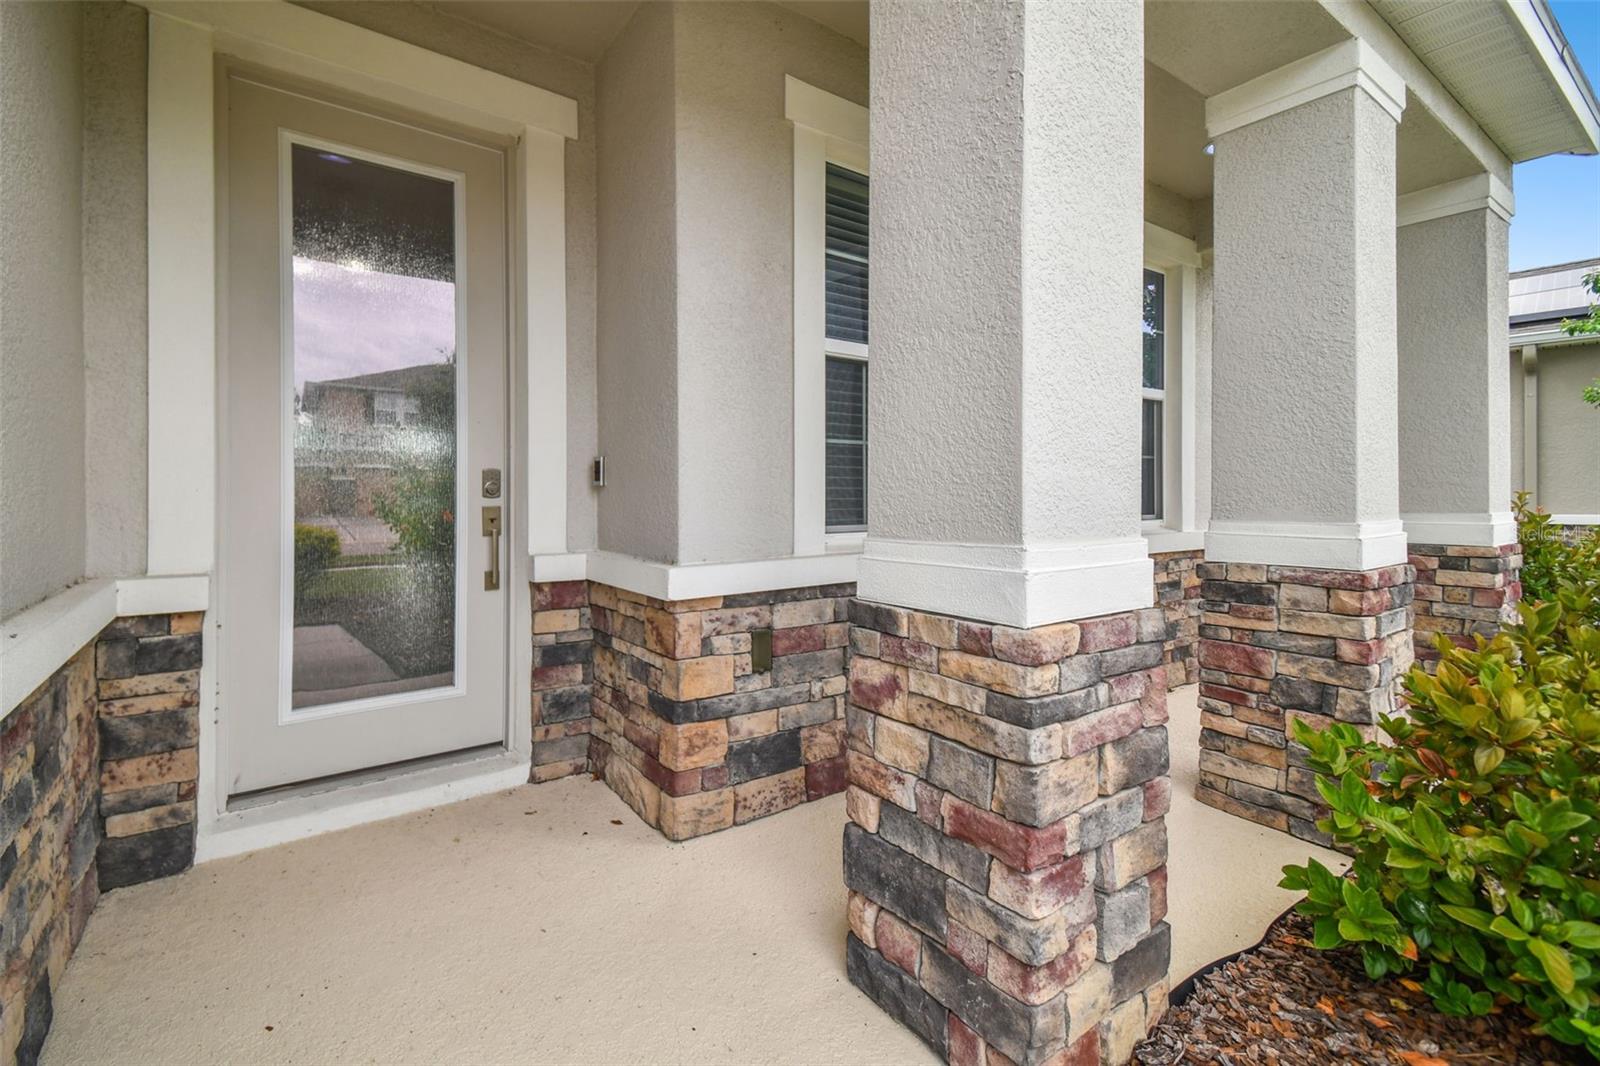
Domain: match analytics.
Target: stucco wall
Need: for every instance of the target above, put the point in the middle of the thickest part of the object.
(1454, 456)
(1569, 430)
(1304, 321)
(735, 210)
(439, 31)
(638, 341)
(114, 287)
(41, 302)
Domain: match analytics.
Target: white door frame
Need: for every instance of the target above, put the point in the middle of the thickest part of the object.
(185, 340)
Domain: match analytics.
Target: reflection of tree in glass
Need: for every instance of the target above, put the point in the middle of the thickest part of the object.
(420, 504)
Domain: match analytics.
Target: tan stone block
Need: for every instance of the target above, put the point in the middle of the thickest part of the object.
(935, 629)
(1237, 621)
(947, 690)
(149, 685)
(825, 740)
(756, 724)
(1260, 815)
(1013, 679)
(634, 789)
(1130, 856)
(1122, 1028)
(902, 746)
(882, 781)
(165, 768)
(163, 701)
(863, 916)
(1028, 746)
(186, 622)
(769, 795)
(1037, 646)
(802, 613)
(556, 621)
(552, 771)
(697, 814)
(1088, 1001)
(878, 686)
(1233, 727)
(862, 807)
(676, 635)
(696, 679)
(1470, 578)
(1251, 773)
(1303, 597)
(693, 744)
(1353, 627)
(163, 817)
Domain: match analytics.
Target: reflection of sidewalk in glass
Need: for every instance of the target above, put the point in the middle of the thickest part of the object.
(358, 534)
(331, 666)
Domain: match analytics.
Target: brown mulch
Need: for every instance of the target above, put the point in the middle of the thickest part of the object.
(1285, 1003)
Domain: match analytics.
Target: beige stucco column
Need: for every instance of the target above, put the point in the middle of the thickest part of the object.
(1007, 753)
(1306, 585)
(1455, 451)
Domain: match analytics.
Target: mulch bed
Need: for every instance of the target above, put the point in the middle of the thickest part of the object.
(1284, 1002)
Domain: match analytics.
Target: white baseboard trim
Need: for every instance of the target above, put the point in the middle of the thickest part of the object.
(671, 581)
(1487, 530)
(1160, 541)
(1009, 584)
(566, 566)
(299, 816)
(37, 642)
(1326, 545)
(1575, 519)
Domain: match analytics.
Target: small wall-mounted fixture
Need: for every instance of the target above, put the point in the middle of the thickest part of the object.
(597, 472)
(761, 651)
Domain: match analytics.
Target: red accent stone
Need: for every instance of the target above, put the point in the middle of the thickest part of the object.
(968, 946)
(877, 690)
(928, 800)
(642, 738)
(1157, 880)
(824, 777)
(713, 778)
(963, 1047)
(903, 652)
(1360, 651)
(560, 595)
(1103, 634)
(899, 943)
(1020, 847)
(1101, 727)
(1040, 984)
(1237, 658)
(1086, 1052)
(673, 783)
(798, 639)
(1227, 695)
(975, 639)
(1157, 798)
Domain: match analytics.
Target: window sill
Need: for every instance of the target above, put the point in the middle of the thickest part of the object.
(1159, 539)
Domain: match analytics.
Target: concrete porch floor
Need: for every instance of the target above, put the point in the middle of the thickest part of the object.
(548, 924)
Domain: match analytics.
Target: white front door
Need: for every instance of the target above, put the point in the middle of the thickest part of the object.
(364, 616)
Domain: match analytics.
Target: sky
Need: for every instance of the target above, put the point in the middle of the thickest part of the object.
(1558, 197)
(349, 320)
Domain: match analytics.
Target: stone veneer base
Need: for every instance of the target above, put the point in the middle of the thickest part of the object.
(1463, 591)
(1280, 643)
(99, 769)
(1177, 590)
(1006, 852)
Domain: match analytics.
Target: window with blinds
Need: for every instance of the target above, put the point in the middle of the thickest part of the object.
(846, 326)
(1154, 390)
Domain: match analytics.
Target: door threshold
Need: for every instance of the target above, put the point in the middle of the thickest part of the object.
(278, 816)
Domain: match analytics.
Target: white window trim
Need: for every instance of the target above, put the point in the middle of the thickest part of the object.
(1178, 258)
(827, 129)
(185, 40)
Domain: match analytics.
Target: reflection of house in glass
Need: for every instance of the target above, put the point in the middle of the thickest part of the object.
(354, 435)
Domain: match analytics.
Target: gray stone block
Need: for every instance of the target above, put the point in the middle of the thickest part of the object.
(954, 857)
(126, 736)
(1023, 1033)
(961, 771)
(808, 666)
(1108, 818)
(1143, 965)
(145, 857)
(763, 756)
(1133, 760)
(895, 879)
(896, 992)
(1122, 918)
(164, 655)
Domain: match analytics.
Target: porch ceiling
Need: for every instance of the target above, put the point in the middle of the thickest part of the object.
(580, 28)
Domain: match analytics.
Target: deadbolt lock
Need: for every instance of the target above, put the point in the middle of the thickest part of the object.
(491, 483)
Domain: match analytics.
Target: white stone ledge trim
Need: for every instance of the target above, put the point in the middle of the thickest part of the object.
(1007, 584)
(1575, 519)
(1328, 545)
(1476, 193)
(670, 581)
(1488, 530)
(1349, 64)
(1161, 541)
(35, 643)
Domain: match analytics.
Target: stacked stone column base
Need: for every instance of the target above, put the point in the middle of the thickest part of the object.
(1006, 852)
(1279, 643)
(1463, 591)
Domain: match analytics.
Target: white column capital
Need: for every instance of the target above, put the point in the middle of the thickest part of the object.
(1349, 64)
(1476, 193)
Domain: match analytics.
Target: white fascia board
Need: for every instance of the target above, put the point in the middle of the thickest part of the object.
(1349, 64)
(298, 41)
(833, 116)
(1163, 247)
(1478, 192)
(37, 642)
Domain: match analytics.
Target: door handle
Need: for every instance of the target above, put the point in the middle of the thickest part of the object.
(491, 529)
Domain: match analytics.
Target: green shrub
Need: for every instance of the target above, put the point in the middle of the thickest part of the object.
(1553, 559)
(420, 508)
(1475, 834)
(315, 549)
